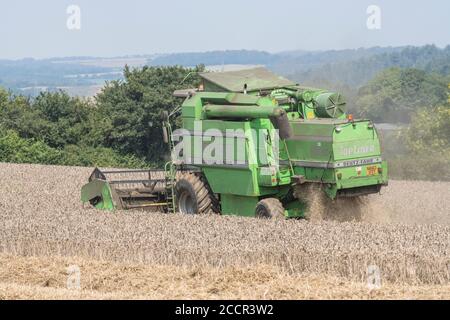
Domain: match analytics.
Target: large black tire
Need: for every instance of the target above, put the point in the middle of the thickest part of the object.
(194, 196)
(269, 208)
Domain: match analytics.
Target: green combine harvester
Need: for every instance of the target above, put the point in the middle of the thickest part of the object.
(249, 140)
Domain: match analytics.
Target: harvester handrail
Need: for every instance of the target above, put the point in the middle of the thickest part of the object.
(131, 170)
(135, 181)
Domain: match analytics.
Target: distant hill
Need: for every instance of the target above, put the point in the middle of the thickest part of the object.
(189, 59)
(77, 75)
(395, 94)
(31, 72)
(352, 67)
(282, 62)
(343, 70)
(301, 61)
(355, 72)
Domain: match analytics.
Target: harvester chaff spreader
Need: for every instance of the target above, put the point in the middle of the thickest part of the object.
(249, 138)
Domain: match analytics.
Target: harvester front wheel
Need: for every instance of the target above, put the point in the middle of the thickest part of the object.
(193, 195)
(269, 208)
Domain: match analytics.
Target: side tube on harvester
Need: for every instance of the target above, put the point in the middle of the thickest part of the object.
(277, 115)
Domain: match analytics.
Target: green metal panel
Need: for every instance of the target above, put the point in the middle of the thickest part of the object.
(212, 87)
(311, 140)
(295, 209)
(230, 180)
(99, 190)
(232, 204)
(356, 140)
(358, 176)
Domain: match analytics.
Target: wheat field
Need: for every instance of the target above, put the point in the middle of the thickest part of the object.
(404, 233)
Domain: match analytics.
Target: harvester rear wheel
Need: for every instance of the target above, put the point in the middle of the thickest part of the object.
(269, 208)
(193, 195)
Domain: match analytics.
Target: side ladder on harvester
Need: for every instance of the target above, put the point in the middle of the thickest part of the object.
(170, 180)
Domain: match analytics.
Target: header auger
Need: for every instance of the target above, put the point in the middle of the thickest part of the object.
(248, 139)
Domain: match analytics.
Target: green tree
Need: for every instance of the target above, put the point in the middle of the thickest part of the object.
(66, 119)
(54, 118)
(3, 97)
(131, 108)
(395, 94)
(18, 150)
(427, 141)
(448, 95)
(17, 113)
(429, 131)
(99, 157)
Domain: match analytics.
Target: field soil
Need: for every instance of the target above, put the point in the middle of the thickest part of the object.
(392, 245)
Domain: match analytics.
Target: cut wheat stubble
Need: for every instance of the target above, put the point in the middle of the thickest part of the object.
(41, 215)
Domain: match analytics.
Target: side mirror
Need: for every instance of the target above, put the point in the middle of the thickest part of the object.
(165, 134)
(164, 116)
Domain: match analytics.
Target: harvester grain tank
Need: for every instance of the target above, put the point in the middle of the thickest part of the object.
(284, 136)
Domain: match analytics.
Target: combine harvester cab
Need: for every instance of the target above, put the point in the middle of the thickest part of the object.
(303, 137)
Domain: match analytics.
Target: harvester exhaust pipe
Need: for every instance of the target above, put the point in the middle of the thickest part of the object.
(277, 115)
(281, 122)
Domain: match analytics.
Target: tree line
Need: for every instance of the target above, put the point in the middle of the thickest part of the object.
(121, 127)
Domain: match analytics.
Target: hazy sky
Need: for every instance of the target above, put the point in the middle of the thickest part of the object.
(115, 27)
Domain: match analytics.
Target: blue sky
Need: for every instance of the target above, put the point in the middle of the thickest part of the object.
(112, 28)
